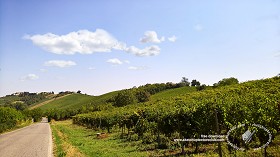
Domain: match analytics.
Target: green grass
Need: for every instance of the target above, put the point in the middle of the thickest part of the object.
(84, 142)
(41, 101)
(88, 144)
(100, 100)
(78, 100)
(70, 101)
(167, 94)
(58, 150)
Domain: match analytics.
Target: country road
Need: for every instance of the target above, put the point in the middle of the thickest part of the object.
(32, 141)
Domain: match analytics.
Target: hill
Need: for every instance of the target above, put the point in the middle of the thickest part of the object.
(68, 101)
(214, 111)
(77, 101)
(167, 94)
(53, 98)
(23, 100)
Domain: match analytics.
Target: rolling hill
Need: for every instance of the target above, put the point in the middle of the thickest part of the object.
(76, 101)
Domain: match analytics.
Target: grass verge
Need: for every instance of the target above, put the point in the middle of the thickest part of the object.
(73, 140)
(21, 125)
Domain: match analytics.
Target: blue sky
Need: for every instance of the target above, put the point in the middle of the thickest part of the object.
(101, 46)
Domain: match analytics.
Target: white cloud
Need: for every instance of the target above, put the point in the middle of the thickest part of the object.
(198, 27)
(127, 61)
(91, 68)
(114, 61)
(172, 39)
(148, 51)
(87, 42)
(137, 68)
(29, 77)
(151, 37)
(43, 70)
(60, 63)
(82, 41)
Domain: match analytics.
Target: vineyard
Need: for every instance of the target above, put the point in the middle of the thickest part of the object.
(159, 122)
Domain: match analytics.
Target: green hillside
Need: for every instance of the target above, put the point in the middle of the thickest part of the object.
(76, 101)
(70, 101)
(155, 124)
(167, 94)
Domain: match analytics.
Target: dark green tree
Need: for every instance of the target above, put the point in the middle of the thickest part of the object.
(142, 95)
(185, 81)
(195, 83)
(124, 98)
(202, 87)
(227, 81)
(19, 105)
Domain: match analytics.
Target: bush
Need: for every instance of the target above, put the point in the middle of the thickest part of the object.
(227, 81)
(143, 96)
(124, 98)
(9, 117)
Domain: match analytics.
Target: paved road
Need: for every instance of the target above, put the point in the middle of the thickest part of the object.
(32, 141)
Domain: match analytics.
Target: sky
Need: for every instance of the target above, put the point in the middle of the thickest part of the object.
(102, 46)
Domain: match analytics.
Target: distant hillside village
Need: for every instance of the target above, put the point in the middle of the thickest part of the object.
(21, 100)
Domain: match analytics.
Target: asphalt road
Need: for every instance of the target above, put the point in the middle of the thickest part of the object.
(32, 141)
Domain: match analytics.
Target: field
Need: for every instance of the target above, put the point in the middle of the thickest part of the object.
(73, 140)
(168, 112)
(212, 111)
(76, 101)
(69, 101)
(76, 141)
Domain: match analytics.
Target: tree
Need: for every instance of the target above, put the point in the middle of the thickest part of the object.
(202, 87)
(124, 98)
(19, 105)
(142, 95)
(226, 81)
(195, 83)
(79, 92)
(185, 81)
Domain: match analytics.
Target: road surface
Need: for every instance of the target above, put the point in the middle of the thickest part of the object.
(32, 141)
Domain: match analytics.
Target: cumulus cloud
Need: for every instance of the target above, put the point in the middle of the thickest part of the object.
(82, 41)
(151, 37)
(115, 61)
(87, 42)
(148, 51)
(29, 77)
(137, 68)
(60, 63)
(198, 27)
(172, 39)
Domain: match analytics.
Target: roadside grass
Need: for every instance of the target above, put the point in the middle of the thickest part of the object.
(21, 125)
(88, 144)
(62, 146)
